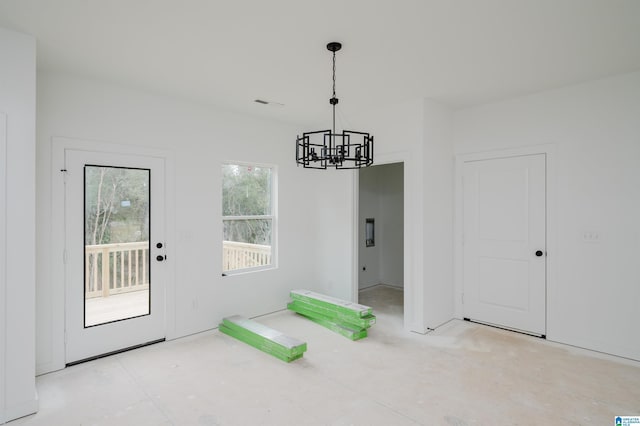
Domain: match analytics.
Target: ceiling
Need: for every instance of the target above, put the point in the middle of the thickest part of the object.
(229, 53)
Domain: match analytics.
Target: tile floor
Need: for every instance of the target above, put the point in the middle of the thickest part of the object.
(460, 374)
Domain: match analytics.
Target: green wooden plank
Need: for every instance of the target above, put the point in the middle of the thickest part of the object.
(344, 330)
(264, 338)
(259, 345)
(330, 315)
(265, 344)
(348, 332)
(268, 344)
(328, 302)
(317, 312)
(364, 322)
(250, 326)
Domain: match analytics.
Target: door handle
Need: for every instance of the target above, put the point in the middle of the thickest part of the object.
(539, 253)
(160, 258)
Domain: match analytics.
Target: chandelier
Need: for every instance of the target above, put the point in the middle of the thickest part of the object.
(326, 148)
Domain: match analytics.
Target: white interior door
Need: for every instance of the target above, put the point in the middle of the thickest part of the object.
(114, 252)
(504, 240)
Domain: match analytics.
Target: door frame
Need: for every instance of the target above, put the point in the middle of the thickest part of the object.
(58, 147)
(551, 212)
(413, 286)
(3, 260)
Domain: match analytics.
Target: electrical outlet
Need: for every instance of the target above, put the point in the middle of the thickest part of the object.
(591, 237)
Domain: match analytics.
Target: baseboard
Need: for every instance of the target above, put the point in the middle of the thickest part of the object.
(368, 287)
(48, 367)
(381, 285)
(398, 287)
(22, 409)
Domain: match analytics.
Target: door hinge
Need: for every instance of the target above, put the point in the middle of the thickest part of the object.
(64, 256)
(64, 175)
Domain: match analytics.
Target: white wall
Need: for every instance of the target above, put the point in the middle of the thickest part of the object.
(593, 294)
(418, 133)
(17, 273)
(3, 260)
(398, 137)
(391, 227)
(200, 138)
(438, 173)
(382, 198)
(368, 207)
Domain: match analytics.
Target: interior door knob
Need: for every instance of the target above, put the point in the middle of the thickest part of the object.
(159, 258)
(539, 253)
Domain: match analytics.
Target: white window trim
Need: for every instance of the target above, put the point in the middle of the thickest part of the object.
(273, 217)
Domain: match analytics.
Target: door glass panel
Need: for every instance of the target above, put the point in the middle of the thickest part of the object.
(116, 240)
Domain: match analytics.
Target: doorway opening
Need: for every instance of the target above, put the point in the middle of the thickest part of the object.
(381, 239)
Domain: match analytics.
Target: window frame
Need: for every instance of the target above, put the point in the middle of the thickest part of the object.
(273, 198)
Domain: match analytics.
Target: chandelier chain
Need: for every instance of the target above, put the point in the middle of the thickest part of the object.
(334, 74)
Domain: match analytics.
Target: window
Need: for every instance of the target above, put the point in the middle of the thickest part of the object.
(248, 217)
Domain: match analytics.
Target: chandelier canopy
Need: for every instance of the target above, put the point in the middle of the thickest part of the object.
(325, 148)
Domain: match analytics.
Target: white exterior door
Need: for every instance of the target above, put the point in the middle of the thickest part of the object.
(504, 239)
(114, 252)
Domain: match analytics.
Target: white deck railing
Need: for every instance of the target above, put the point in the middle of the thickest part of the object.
(244, 255)
(116, 268)
(124, 267)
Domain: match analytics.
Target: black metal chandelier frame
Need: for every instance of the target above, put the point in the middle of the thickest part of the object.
(326, 148)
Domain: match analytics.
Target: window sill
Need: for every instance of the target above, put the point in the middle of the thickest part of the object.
(248, 271)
